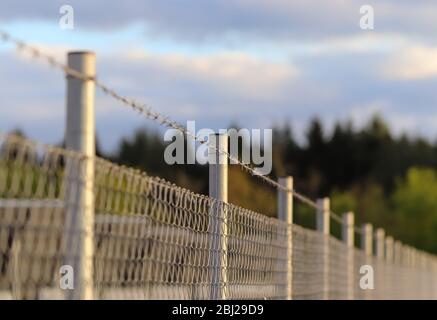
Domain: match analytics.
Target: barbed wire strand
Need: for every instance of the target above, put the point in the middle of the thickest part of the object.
(336, 217)
(148, 112)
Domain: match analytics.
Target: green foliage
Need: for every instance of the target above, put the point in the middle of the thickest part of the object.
(253, 195)
(304, 215)
(369, 204)
(415, 201)
(343, 201)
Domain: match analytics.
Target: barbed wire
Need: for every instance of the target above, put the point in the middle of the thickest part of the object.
(336, 217)
(149, 113)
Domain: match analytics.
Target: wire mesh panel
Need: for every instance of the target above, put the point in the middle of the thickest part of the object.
(338, 269)
(160, 241)
(152, 240)
(33, 224)
(307, 264)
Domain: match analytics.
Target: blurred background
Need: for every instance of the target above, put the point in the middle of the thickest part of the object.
(353, 111)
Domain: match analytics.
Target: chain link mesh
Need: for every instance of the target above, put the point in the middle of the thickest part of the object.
(153, 240)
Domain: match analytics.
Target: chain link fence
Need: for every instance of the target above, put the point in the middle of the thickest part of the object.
(153, 240)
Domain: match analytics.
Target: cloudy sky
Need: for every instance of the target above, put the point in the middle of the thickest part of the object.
(251, 62)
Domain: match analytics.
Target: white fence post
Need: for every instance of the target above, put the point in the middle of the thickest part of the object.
(380, 243)
(348, 239)
(285, 213)
(398, 252)
(348, 229)
(367, 247)
(380, 279)
(366, 239)
(389, 249)
(400, 270)
(414, 261)
(323, 226)
(218, 189)
(80, 137)
(389, 274)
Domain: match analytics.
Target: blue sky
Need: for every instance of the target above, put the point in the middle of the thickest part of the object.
(256, 63)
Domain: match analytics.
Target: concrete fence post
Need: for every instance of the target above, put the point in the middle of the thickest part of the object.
(218, 189)
(80, 137)
(348, 237)
(323, 226)
(285, 213)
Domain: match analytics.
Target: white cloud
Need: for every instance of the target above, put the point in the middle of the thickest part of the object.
(235, 73)
(358, 43)
(412, 63)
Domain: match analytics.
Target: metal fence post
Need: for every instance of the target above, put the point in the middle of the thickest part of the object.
(414, 261)
(367, 247)
(380, 279)
(414, 272)
(389, 274)
(348, 239)
(397, 261)
(323, 226)
(218, 189)
(380, 243)
(80, 137)
(389, 249)
(398, 252)
(285, 213)
(366, 239)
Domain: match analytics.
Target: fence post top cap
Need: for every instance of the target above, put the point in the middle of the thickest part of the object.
(70, 53)
(379, 233)
(348, 219)
(368, 227)
(285, 178)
